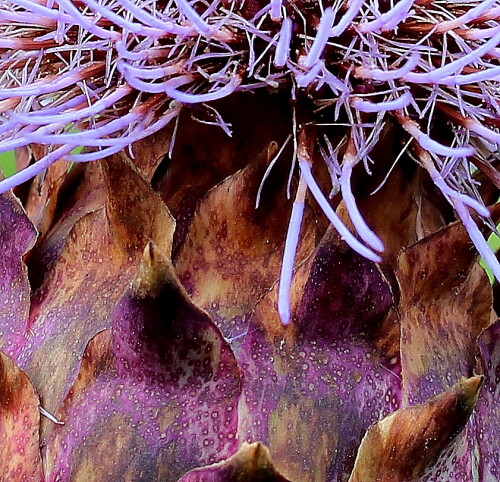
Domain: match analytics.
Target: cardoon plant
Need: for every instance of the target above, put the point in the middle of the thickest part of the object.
(242, 240)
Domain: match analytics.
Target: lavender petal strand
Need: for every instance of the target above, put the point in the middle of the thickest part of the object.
(153, 73)
(366, 106)
(367, 235)
(135, 28)
(98, 155)
(481, 33)
(397, 15)
(290, 251)
(304, 79)
(34, 169)
(54, 14)
(151, 88)
(385, 75)
(22, 138)
(491, 74)
(450, 193)
(478, 239)
(167, 26)
(471, 15)
(80, 138)
(322, 36)
(87, 23)
(346, 235)
(25, 17)
(433, 146)
(42, 86)
(275, 10)
(346, 20)
(47, 116)
(66, 117)
(283, 46)
(57, 109)
(434, 76)
(190, 13)
(394, 16)
(187, 98)
(484, 132)
(95, 156)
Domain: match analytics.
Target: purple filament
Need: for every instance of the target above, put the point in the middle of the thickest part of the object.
(281, 53)
(484, 132)
(44, 86)
(397, 15)
(481, 33)
(138, 134)
(304, 79)
(85, 138)
(433, 146)
(152, 88)
(132, 27)
(47, 112)
(477, 238)
(436, 75)
(190, 13)
(44, 11)
(74, 115)
(471, 15)
(33, 170)
(386, 75)
(346, 20)
(87, 23)
(287, 264)
(396, 104)
(491, 74)
(25, 18)
(366, 234)
(337, 223)
(450, 193)
(21, 139)
(390, 19)
(275, 10)
(322, 36)
(168, 26)
(153, 73)
(187, 98)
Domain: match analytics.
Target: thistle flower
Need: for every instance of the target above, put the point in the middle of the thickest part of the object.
(106, 74)
(362, 358)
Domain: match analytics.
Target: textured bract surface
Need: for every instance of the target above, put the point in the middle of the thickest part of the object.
(243, 239)
(385, 370)
(105, 75)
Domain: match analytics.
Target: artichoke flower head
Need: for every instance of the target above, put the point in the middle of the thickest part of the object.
(242, 240)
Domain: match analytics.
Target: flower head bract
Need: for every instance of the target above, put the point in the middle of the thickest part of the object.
(104, 74)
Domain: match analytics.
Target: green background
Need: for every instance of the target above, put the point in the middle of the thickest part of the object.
(7, 163)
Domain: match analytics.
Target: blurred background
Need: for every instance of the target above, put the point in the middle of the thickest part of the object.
(7, 163)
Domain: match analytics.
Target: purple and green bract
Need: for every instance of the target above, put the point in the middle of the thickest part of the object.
(106, 74)
(160, 394)
(164, 382)
(269, 269)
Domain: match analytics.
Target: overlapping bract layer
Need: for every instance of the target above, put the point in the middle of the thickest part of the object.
(380, 373)
(103, 74)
